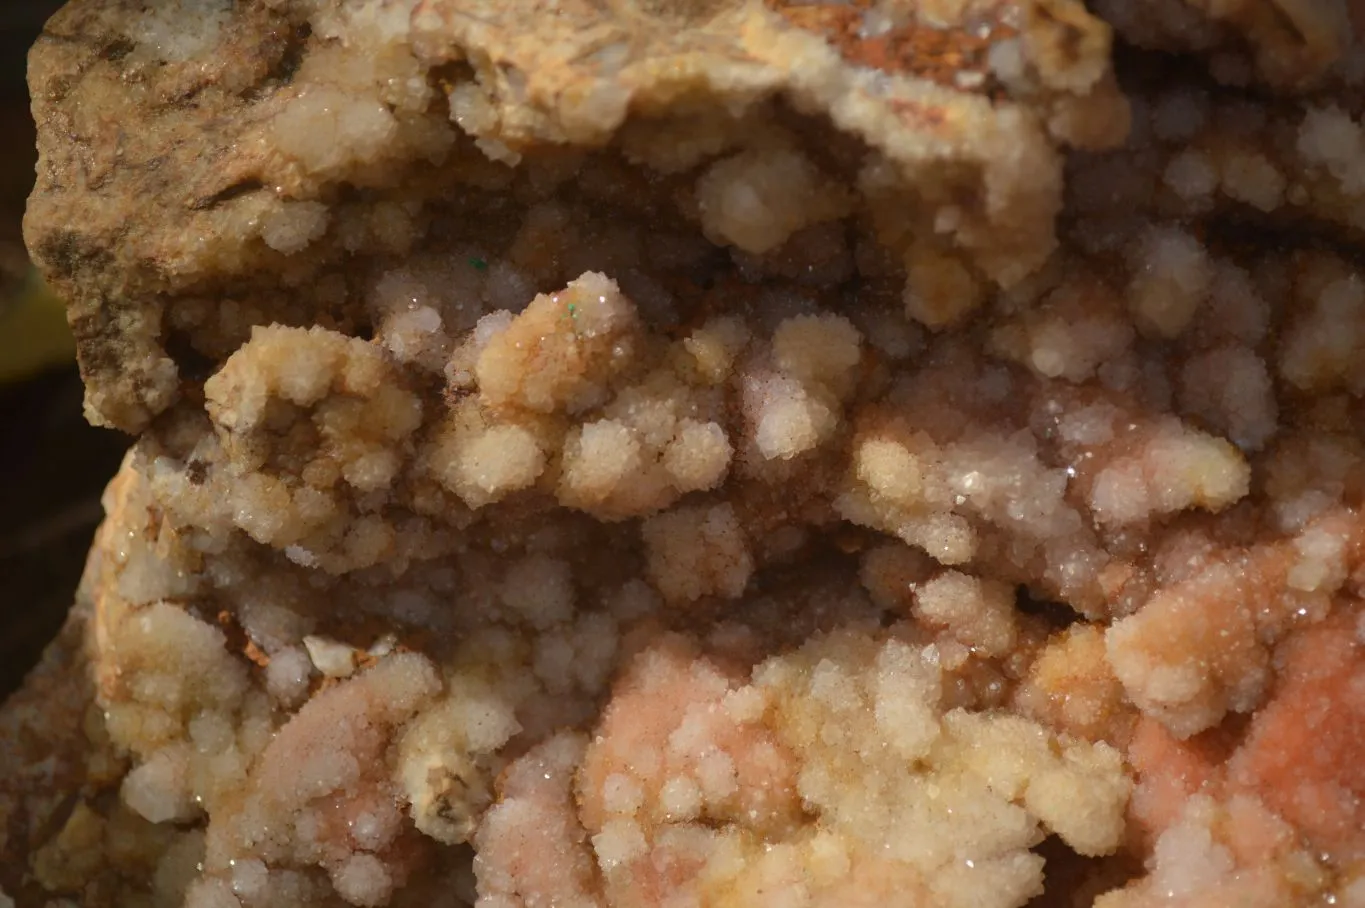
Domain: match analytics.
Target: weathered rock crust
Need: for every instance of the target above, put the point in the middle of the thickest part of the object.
(158, 177)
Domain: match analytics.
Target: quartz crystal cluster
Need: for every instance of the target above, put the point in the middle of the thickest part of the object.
(611, 453)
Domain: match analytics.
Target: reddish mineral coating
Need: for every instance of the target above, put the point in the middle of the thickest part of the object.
(1300, 752)
(706, 453)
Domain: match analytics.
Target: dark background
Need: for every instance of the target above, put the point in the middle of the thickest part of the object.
(53, 466)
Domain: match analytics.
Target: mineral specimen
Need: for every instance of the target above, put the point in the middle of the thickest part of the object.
(706, 453)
